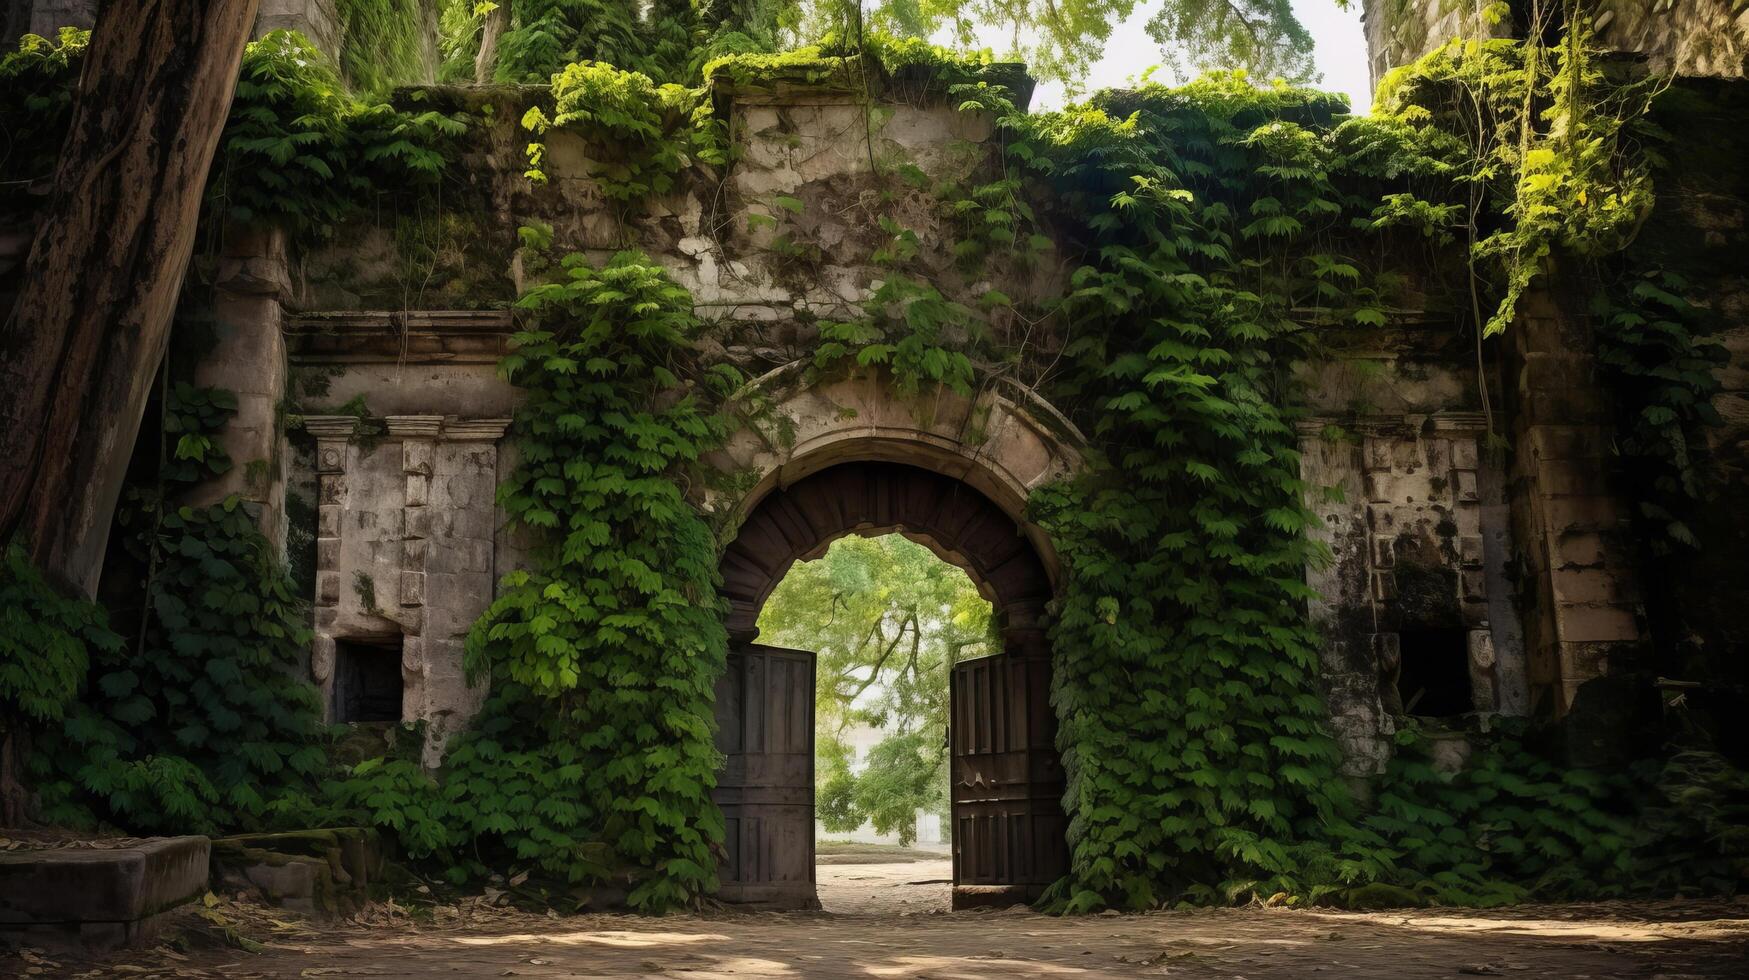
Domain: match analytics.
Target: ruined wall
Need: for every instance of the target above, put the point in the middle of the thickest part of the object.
(1421, 583)
(1691, 37)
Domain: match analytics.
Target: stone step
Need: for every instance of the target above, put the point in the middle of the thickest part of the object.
(96, 899)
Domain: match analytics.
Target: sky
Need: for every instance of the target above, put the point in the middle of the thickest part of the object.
(1340, 53)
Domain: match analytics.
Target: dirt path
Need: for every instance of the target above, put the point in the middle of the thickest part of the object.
(913, 888)
(1675, 941)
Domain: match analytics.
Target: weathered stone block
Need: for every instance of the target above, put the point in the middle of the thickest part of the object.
(412, 588)
(1482, 648)
(1580, 548)
(1377, 454)
(1552, 442)
(416, 457)
(1587, 624)
(327, 588)
(328, 518)
(417, 523)
(418, 490)
(312, 871)
(95, 898)
(1470, 550)
(413, 554)
(1466, 486)
(1379, 488)
(1588, 586)
(1474, 584)
(1384, 586)
(1384, 554)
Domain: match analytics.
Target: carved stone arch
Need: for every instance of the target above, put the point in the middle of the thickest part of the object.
(853, 456)
(1003, 441)
(958, 523)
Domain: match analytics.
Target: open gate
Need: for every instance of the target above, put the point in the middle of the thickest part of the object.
(1007, 782)
(765, 730)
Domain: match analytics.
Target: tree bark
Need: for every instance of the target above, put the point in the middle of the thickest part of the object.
(78, 353)
(497, 22)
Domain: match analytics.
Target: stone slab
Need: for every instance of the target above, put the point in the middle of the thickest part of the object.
(96, 898)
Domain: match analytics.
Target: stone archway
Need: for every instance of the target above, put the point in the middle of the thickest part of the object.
(1007, 779)
(1002, 440)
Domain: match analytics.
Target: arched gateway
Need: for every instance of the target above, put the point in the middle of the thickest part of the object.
(898, 465)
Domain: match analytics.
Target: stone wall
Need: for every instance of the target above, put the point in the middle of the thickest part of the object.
(1691, 37)
(1412, 504)
(1423, 540)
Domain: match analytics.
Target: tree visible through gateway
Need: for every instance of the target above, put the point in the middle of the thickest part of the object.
(1006, 779)
(886, 620)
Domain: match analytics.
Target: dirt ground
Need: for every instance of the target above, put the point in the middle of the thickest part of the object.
(890, 920)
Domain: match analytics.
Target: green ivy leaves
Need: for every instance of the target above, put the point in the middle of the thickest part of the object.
(608, 646)
(202, 720)
(298, 152)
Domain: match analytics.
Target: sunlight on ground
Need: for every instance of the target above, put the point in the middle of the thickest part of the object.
(1649, 932)
(620, 940)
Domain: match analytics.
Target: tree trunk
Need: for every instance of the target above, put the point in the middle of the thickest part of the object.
(497, 21)
(78, 353)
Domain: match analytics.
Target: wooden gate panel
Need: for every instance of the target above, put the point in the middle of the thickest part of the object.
(1008, 842)
(765, 730)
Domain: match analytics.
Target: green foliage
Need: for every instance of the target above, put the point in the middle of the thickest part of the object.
(1262, 37)
(603, 655)
(1190, 720)
(201, 721)
(45, 644)
(1548, 160)
(380, 43)
(654, 39)
(641, 135)
(1652, 342)
(36, 107)
(300, 153)
(886, 620)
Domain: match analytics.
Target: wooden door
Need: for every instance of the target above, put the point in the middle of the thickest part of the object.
(765, 730)
(1007, 782)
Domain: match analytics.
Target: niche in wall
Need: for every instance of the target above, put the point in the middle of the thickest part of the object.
(367, 679)
(1435, 678)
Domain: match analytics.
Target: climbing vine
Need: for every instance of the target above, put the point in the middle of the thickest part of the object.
(614, 632)
(198, 719)
(300, 153)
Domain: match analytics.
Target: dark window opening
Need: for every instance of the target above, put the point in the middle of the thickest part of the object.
(1435, 678)
(367, 680)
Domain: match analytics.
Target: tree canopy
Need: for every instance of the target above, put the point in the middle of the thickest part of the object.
(887, 619)
(1058, 39)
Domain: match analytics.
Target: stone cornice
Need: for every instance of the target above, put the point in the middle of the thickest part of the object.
(331, 426)
(474, 430)
(414, 426)
(398, 337)
(1442, 423)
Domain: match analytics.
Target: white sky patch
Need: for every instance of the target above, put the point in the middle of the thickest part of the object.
(1340, 53)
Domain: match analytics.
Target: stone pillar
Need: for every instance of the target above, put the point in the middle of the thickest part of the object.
(1585, 602)
(1343, 612)
(247, 358)
(333, 434)
(460, 571)
(317, 20)
(44, 17)
(418, 435)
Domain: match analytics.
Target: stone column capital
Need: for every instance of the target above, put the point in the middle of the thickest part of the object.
(474, 430)
(415, 426)
(331, 426)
